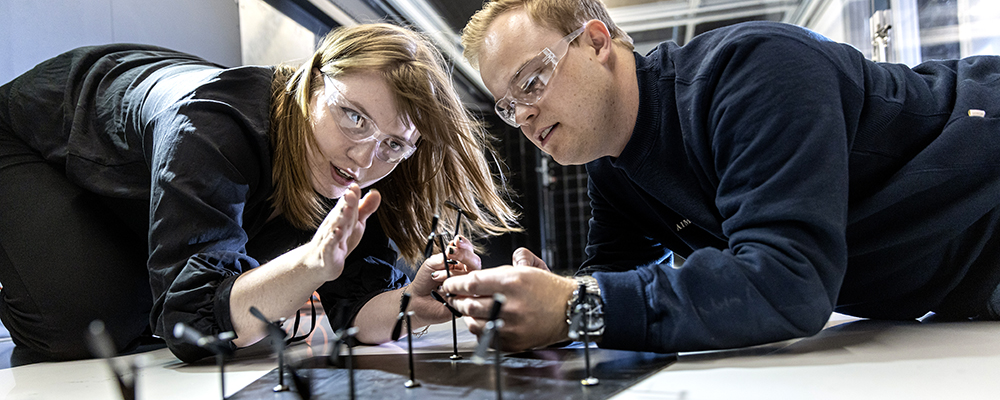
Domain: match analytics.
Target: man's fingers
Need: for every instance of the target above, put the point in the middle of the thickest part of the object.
(476, 283)
(476, 326)
(475, 307)
(523, 257)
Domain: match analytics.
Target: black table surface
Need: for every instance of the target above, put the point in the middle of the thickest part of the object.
(547, 374)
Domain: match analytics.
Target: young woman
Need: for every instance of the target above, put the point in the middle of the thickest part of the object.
(145, 187)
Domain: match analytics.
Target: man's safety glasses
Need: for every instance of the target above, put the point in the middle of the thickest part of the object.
(529, 83)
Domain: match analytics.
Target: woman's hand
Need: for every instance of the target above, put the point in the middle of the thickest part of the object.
(340, 232)
(366, 208)
(280, 286)
(432, 272)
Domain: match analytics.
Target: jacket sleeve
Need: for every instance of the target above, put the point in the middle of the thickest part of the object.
(770, 115)
(204, 168)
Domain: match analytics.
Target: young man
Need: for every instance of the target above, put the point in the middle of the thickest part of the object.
(795, 177)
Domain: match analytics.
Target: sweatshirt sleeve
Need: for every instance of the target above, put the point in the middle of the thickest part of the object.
(768, 113)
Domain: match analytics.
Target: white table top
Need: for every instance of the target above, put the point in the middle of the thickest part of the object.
(856, 359)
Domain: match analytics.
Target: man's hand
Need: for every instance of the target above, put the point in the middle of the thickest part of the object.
(524, 257)
(535, 312)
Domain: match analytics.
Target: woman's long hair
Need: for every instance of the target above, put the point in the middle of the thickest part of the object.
(450, 162)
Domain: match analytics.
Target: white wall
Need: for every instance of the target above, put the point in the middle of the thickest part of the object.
(829, 21)
(270, 37)
(34, 30)
(978, 32)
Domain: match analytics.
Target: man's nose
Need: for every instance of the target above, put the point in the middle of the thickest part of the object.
(524, 113)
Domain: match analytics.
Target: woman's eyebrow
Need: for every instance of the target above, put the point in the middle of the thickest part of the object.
(357, 107)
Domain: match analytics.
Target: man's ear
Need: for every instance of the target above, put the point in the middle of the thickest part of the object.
(598, 38)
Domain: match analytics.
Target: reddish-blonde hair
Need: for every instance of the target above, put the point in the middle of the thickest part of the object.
(450, 162)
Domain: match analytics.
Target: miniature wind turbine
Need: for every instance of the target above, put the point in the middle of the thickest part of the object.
(101, 345)
(491, 334)
(218, 345)
(578, 327)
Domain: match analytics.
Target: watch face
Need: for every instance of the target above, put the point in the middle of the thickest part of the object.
(596, 314)
(593, 314)
(586, 308)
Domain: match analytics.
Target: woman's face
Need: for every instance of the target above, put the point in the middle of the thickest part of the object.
(354, 117)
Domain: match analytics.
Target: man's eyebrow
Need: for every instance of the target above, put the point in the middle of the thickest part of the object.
(521, 69)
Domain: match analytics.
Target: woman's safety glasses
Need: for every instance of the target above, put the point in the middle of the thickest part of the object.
(358, 127)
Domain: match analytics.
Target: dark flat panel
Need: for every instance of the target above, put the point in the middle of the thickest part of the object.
(707, 26)
(306, 14)
(455, 12)
(543, 374)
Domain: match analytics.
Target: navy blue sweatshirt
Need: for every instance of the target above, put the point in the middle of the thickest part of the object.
(796, 178)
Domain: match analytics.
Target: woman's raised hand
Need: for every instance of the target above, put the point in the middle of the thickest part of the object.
(340, 232)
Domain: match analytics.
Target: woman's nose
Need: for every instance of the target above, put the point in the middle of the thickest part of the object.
(363, 153)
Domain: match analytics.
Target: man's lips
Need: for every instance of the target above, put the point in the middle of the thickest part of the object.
(546, 133)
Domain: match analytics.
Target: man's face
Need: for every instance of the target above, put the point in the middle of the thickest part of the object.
(566, 120)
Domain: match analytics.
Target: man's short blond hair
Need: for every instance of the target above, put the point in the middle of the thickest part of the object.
(563, 15)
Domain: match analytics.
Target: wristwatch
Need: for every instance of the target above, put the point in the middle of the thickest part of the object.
(592, 304)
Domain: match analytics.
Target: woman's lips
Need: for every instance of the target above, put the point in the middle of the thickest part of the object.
(339, 176)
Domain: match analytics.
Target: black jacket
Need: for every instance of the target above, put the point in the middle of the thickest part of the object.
(191, 138)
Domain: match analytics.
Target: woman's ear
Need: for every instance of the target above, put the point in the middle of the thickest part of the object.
(314, 79)
(598, 38)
